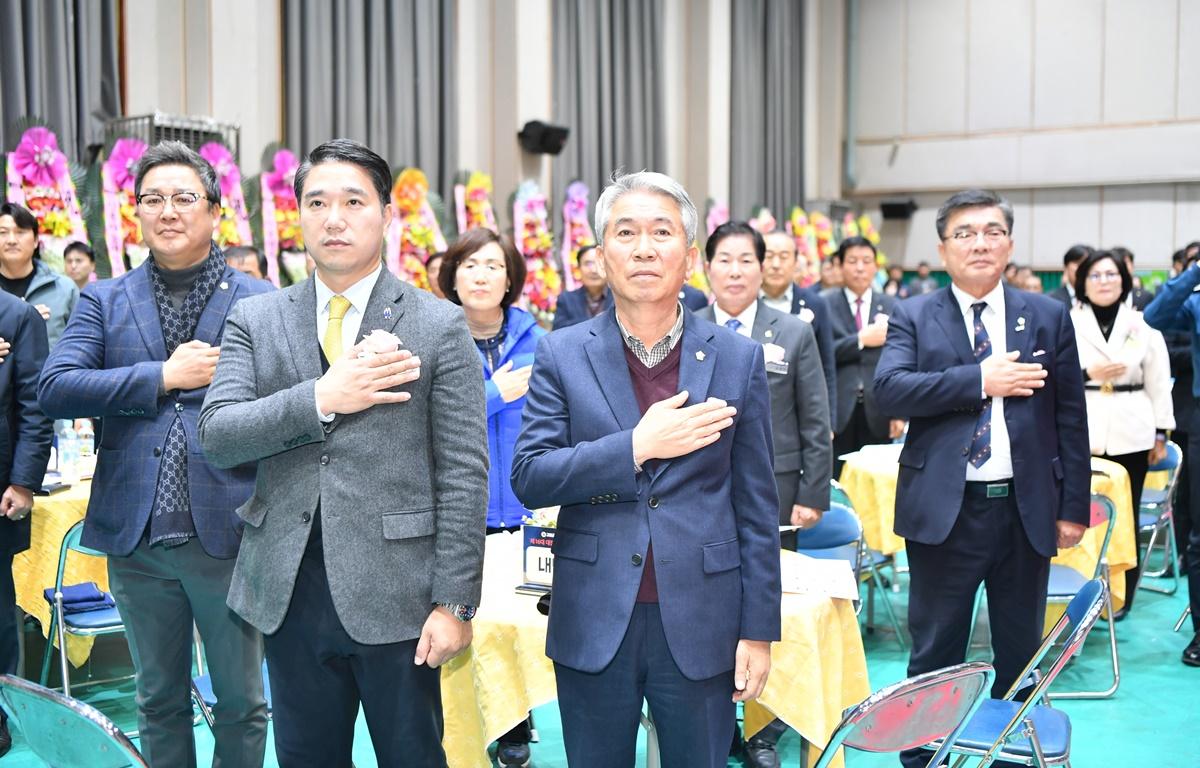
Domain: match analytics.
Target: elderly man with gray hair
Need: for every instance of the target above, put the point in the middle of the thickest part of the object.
(650, 427)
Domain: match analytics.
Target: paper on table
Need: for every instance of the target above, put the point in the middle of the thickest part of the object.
(803, 575)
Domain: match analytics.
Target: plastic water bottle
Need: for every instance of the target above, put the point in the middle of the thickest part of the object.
(68, 454)
(87, 438)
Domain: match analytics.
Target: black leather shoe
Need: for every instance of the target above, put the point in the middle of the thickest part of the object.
(509, 754)
(1121, 614)
(1191, 655)
(760, 754)
(5, 739)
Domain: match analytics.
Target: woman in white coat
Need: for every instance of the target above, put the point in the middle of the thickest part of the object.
(1127, 378)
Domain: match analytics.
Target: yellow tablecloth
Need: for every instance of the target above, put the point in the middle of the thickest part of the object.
(34, 569)
(817, 671)
(869, 478)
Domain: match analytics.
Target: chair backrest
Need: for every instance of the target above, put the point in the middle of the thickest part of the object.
(1170, 463)
(838, 495)
(914, 712)
(1103, 512)
(837, 536)
(65, 732)
(70, 543)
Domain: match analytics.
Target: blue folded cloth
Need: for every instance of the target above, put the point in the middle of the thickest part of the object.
(78, 598)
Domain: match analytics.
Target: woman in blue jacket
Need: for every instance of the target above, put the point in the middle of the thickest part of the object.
(484, 273)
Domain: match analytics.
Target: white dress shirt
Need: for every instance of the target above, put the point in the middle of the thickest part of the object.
(783, 303)
(746, 318)
(999, 464)
(358, 295)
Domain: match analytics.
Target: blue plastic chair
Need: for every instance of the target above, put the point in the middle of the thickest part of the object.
(65, 732)
(913, 712)
(206, 699)
(1031, 732)
(105, 621)
(838, 536)
(1156, 517)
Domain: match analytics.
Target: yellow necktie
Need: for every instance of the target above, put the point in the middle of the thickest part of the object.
(338, 306)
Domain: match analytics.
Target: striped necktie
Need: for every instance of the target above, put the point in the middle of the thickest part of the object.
(981, 441)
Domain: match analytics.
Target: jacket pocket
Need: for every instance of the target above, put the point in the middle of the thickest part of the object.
(912, 459)
(253, 512)
(408, 524)
(722, 556)
(576, 545)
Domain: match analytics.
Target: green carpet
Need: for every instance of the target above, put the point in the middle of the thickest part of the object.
(1151, 721)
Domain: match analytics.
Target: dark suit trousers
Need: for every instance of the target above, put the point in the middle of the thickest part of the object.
(855, 435)
(601, 711)
(1193, 547)
(160, 591)
(1135, 464)
(987, 545)
(10, 647)
(319, 674)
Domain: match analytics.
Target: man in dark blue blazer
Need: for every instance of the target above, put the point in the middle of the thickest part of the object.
(590, 299)
(995, 472)
(24, 451)
(651, 428)
(140, 352)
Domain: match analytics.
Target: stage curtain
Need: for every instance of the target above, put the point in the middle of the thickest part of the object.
(378, 72)
(608, 89)
(60, 63)
(767, 107)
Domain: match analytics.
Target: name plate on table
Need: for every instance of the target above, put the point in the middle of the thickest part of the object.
(803, 575)
(538, 559)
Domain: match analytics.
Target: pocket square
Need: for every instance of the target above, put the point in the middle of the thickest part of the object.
(1039, 353)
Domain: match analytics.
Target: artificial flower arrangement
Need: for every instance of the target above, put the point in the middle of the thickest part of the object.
(122, 228)
(762, 219)
(472, 202)
(414, 234)
(38, 178)
(283, 242)
(233, 228)
(823, 235)
(716, 213)
(576, 232)
(531, 226)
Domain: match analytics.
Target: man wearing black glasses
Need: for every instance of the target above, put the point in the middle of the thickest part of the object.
(140, 352)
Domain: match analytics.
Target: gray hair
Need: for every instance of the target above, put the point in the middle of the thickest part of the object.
(178, 153)
(973, 198)
(645, 181)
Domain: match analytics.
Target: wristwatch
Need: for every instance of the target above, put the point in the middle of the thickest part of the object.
(460, 612)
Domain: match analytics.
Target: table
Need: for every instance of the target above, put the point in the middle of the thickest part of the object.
(35, 569)
(869, 477)
(817, 671)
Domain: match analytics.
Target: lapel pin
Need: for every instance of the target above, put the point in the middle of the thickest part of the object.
(769, 334)
(387, 313)
(224, 286)
(1020, 324)
(700, 355)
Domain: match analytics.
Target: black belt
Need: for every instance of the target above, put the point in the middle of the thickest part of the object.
(1108, 388)
(995, 489)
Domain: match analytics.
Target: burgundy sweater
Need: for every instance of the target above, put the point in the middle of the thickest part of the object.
(649, 386)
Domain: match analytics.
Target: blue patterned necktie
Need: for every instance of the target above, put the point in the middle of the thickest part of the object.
(733, 324)
(981, 442)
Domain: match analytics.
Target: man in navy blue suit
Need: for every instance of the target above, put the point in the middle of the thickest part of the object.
(652, 429)
(995, 473)
(140, 352)
(588, 300)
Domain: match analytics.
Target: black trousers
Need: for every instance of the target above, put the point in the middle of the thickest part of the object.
(10, 646)
(853, 436)
(1135, 464)
(1193, 545)
(319, 675)
(986, 546)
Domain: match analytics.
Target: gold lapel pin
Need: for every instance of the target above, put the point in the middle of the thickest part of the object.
(700, 355)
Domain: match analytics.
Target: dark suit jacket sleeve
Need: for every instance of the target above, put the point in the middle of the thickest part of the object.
(814, 417)
(1170, 309)
(823, 325)
(238, 426)
(33, 429)
(694, 298)
(75, 383)
(902, 390)
(1070, 414)
(564, 312)
(756, 507)
(548, 468)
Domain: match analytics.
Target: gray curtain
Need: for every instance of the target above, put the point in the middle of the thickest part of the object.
(377, 71)
(608, 89)
(767, 98)
(59, 62)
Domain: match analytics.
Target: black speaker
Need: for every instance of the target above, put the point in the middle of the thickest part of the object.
(898, 209)
(543, 138)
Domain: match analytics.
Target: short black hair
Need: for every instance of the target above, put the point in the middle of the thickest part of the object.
(435, 256)
(584, 249)
(354, 153)
(733, 229)
(82, 247)
(1094, 258)
(178, 153)
(1076, 253)
(469, 243)
(1123, 253)
(852, 242)
(26, 222)
(973, 198)
(241, 252)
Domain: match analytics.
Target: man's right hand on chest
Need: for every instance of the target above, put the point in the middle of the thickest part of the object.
(668, 430)
(190, 366)
(354, 383)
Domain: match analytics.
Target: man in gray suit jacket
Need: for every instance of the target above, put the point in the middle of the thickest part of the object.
(362, 556)
(734, 256)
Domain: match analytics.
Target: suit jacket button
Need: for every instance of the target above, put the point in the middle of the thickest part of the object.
(636, 559)
(179, 407)
(305, 517)
(158, 451)
(966, 451)
(653, 502)
(324, 459)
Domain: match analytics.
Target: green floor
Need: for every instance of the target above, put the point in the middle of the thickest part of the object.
(1152, 720)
